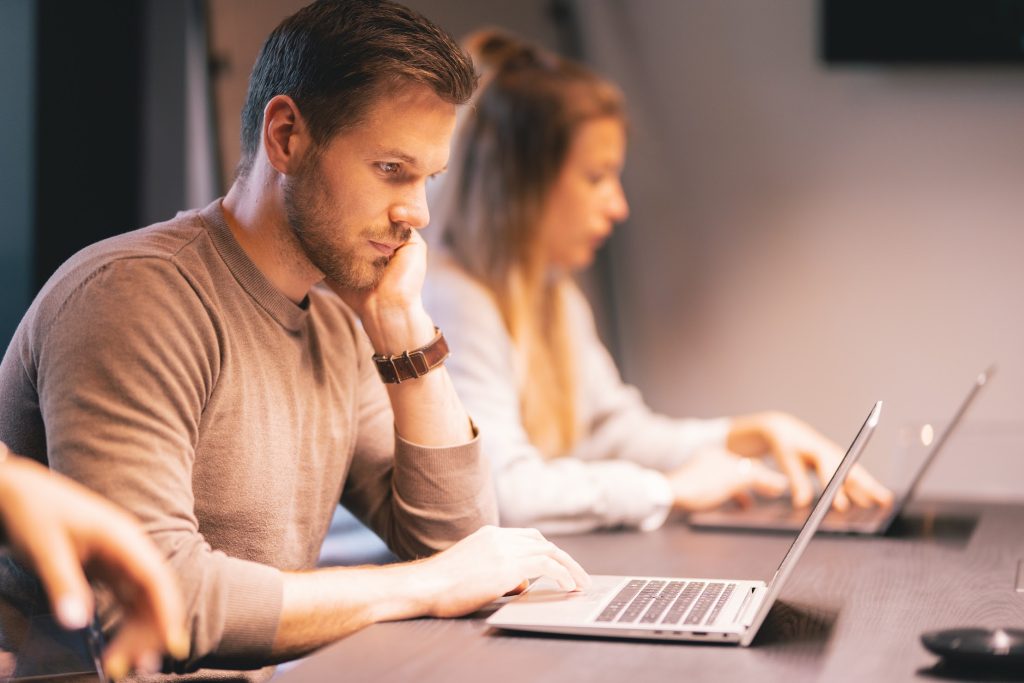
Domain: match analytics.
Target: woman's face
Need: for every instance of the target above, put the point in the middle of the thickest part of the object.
(587, 198)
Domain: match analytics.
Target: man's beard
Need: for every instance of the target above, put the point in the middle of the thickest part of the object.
(325, 242)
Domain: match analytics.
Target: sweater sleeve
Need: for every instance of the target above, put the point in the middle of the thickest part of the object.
(125, 364)
(561, 495)
(617, 422)
(419, 499)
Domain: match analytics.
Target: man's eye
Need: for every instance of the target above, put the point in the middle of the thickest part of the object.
(389, 167)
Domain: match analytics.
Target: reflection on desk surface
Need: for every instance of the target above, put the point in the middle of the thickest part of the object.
(947, 528)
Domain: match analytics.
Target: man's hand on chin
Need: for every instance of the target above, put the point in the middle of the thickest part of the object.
(392, 312)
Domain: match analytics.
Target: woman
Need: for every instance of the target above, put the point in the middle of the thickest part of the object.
(532, 191)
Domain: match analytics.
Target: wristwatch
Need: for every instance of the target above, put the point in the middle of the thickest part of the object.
(412, 364)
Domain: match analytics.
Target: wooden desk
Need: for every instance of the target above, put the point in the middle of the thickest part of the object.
(852, 611)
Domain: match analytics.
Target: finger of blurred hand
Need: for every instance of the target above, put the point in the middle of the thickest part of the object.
(743, 499)
(41, 535)
(825, 470)
(143, 584)
(50, 552)
(799, 482)
(766, 481)
(874, 491)
(133, 648)
(841, 501)
(69, 527)
(858, 496)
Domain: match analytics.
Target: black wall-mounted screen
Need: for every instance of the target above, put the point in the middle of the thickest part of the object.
(922, 31)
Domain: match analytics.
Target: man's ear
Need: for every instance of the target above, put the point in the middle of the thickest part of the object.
(286, 138)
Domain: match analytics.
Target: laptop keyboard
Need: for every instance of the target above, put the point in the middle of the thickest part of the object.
(667, 602)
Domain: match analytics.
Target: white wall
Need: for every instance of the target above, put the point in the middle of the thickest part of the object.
(812, 238)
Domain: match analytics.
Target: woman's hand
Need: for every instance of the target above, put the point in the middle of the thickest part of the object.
(796, 447)
(716, 476)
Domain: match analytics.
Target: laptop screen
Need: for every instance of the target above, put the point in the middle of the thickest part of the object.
(818, 513)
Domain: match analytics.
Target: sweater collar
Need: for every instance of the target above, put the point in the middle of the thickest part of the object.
(286, 312)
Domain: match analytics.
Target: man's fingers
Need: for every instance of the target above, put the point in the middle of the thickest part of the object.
(579, 576)
(542, 557)
(544, 565)
(578, 573)
(574, 576)
(527, 532)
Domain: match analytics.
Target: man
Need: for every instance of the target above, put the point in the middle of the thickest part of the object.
(201, 374)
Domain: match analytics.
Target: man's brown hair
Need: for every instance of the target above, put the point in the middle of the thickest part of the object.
(334, 57)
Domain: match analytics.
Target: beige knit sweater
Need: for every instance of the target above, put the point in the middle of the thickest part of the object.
(162, 369)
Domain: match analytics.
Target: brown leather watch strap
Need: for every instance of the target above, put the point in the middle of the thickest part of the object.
(412, 364)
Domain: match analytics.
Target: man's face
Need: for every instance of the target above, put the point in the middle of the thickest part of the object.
(358, 198)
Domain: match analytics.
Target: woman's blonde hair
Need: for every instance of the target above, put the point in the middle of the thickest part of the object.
(510, 149)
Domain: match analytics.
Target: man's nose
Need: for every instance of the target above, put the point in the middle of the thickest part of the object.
(412, 210)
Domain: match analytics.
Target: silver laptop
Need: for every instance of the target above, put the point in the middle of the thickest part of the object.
(709, 610)
(780, 515)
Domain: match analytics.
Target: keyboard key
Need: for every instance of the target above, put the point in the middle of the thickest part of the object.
(683, 602)
(721, 603)
(704, 603)
(620, 600)
(662, 602)
(641, 601)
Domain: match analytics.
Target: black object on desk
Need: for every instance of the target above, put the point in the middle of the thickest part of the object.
(1003, 648)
